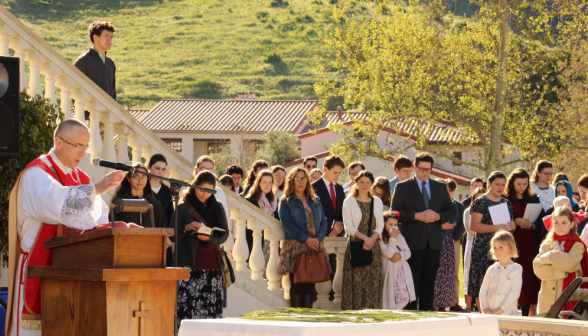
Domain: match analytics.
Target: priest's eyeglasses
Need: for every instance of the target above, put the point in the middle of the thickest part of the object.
(79, 148)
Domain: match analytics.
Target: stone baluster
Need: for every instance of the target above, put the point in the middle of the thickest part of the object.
(80, 95)
(20, 47)
(286, 285)
(272, 267)
(5, 33)
(337, 245)
(65, 84)
(146, 153)
(95, 110)
(322, 300)
(240, 248)
(50, 71)
(256, 259)
(230, 242)
(108, 120)
(137, 143)
(123, 144)
(35, 59)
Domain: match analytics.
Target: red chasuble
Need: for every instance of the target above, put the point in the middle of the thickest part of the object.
(38, 256)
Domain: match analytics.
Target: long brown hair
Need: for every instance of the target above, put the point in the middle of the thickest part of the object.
(251, 174)
(539, 168)
(510, 192)
(289, 190)
(478, 191)
(125, 186)
(354, 191)
(384, 184)
(255, 191)
(274, 170)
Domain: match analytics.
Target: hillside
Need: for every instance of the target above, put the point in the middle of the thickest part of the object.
(196, 48)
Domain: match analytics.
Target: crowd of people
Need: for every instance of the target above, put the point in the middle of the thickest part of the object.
(406, 236)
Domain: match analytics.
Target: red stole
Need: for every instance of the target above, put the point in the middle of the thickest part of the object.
(39, 256)
(570, 239)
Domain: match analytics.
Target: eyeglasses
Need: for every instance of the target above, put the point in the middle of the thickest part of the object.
(139, 177)
(310, 167)
(425, 170)
(300, 180)
(79, 148)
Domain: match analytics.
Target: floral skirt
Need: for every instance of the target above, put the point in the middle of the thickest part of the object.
(400, 288)
(445, 282)
(201, 297)
(292, 249)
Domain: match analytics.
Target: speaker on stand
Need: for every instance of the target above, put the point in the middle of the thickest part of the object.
(9, 106)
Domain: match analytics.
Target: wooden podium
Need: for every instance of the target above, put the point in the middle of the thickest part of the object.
(109, 282)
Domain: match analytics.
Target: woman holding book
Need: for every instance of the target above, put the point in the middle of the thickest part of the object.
(201, 296)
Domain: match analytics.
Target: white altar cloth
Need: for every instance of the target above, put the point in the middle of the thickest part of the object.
(462, 324)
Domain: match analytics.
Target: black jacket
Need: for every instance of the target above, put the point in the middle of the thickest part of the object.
(188, 245)
(322, 191)
(164, 196)
(408, 200)
(101, 73)
(459, 228)
(467, 202)
(143, 219)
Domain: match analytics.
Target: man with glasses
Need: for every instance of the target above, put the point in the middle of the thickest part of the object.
(51, 198)
(310, 163)
(353, 169)
(403, 168)
(423, 205)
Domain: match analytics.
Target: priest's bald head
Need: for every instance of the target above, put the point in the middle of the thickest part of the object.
(71, 140)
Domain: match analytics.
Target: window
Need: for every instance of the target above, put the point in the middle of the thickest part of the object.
(457, 155)
(215, 147)
(175, 144)
(253, 145)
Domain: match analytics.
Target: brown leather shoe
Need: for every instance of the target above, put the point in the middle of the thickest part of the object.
(456, 308)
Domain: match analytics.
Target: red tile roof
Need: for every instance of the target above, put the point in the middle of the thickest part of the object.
(200, 115)
(440, 132)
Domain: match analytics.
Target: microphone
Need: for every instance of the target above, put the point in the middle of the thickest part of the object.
(113, 165)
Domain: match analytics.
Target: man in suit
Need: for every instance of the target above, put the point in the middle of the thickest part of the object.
(476, 182)
(423, 205)
(332, 196)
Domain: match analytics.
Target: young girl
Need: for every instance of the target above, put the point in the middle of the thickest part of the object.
(562, 257)
(398, 285)
(502, 283)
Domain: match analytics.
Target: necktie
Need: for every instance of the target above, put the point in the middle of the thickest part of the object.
(333, 197)
(425, 194)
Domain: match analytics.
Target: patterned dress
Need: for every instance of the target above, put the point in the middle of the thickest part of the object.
(445, 281)
(362, 286)
(481, 259)
(201, 297)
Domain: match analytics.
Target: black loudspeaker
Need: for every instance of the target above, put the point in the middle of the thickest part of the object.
(9, 106)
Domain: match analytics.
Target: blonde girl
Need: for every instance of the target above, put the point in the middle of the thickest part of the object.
(562, 257)
(398, 284)
(502, 283)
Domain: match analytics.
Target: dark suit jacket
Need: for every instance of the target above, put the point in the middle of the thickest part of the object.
(322, 191)
(459, 228)
(466, 202)
(103, 74)
(408, 200)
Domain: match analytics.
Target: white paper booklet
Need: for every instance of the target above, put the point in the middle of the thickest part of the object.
(499, 214)
(532, 211)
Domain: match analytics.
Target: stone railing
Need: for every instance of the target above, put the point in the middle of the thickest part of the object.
(106, 115)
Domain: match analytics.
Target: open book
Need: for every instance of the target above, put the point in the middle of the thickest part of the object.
(206, 231)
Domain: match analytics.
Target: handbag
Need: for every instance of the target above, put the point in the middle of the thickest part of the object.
(359, 256)
(311, 268)
(227, 267)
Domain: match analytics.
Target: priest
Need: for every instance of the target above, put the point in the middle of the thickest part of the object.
(51, 198)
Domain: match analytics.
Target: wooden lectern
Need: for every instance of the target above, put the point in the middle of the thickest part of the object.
(109, 282)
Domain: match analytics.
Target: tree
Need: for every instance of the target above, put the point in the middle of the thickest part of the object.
(279, 147)
(38, 118)
(496, 83)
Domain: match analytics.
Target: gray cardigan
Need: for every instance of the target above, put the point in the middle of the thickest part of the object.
(188, 245)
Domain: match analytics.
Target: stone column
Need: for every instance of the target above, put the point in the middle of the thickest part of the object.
(109, 152)
(256, 259)
(123, 152)
(240, 249)
(35, 58)
(20, 47)
(65, 84)
(272, 267)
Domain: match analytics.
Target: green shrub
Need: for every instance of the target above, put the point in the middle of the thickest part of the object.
(279, 3)
(279, 147)
(37, 123)
(273, 58)
(203, 88)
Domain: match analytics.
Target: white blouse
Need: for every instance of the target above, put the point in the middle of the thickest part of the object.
(501, 288)
(352, 215)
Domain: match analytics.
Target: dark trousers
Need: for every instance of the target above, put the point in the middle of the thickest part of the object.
(301, 295)
(424, 265)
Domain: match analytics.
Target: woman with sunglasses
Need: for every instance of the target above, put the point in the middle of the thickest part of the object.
(137, 186)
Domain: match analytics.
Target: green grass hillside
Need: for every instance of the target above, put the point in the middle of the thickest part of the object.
(196, 48)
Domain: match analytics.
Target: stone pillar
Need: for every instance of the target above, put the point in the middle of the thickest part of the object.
(20, 47)
(109, 152)
(240, 249)
(137, 143)
(95, 138)
(146, 153)
(80, 95)
(50, 71)
(65, 84)
(256, 259)
(123, 143)
(272, 267)
(34, 58)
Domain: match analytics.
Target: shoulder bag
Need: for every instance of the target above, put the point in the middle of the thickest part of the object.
(359, 256)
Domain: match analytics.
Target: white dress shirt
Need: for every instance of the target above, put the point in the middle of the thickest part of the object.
(328, 184)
